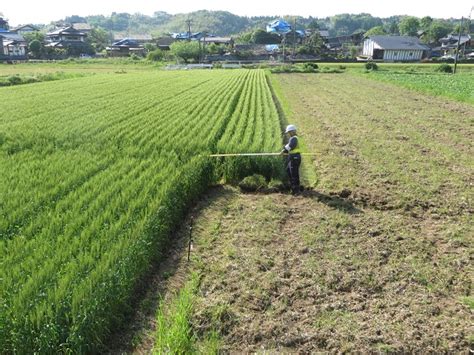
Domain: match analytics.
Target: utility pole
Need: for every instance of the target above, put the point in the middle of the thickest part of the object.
(189, 22)
(456, 58)
(284, 44)
(294, 37)
(202, 47)
(468, 30)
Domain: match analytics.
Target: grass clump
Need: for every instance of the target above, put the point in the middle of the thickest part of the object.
(371, 66)
(253, 183)
(444, 68)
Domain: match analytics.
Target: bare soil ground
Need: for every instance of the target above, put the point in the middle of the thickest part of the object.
(321, 273)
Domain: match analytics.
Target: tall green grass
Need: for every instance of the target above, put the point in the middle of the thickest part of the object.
(174, 331)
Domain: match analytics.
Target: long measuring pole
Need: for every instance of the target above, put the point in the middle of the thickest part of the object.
(253, 154)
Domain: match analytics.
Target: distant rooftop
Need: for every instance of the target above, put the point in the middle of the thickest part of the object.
(67, 31)
(399, 42)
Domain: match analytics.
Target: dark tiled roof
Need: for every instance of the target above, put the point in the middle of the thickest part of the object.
(67, 31)
(20, 28)
(12, 36)
(399, 43)
(64, 44)
(127, 42)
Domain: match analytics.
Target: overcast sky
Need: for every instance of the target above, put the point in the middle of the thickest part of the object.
(45, 11)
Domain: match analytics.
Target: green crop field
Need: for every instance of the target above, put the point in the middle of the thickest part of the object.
(94, 173)
(458, 87)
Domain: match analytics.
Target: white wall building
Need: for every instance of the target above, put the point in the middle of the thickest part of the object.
(395, 48)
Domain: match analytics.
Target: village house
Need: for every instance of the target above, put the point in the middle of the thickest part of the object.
(338, 43)
(226, 41)
(395, 48)
(139, 38)
(69, 38)
(449, 44)
(23, 29)
(164, 43)
(12, 45)
(125, 48)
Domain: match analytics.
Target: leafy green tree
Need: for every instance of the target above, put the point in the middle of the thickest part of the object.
(36, 48)
(464, 29)
(75, 19)
(150, 47)
(425, 23)
(35, 42)
(312, 45)
(346, 24)
(437, 30)
(409, 26)
(215, 49)
(31, 36)
(374, 31)
(186, 50)
(392, 28)
(313, 25)
(98, 38)
(244, 38)
(354, 50)
(263, 37)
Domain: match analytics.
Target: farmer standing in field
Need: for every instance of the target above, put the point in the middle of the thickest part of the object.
(293, 161)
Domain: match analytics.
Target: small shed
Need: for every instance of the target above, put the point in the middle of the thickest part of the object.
(395, 48)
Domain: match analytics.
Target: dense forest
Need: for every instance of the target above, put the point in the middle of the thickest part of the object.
(226, 23)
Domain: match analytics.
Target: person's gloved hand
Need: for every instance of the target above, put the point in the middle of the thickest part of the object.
(284, 151)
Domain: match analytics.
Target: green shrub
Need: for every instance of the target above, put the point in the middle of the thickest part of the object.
(444, 68)
(311, 65)
(155, 56)
(252, 183)
(14, 80)
(371, 66)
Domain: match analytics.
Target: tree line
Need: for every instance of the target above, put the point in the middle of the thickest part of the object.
(225, 23)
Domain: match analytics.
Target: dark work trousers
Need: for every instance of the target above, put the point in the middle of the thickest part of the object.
(293, 170)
